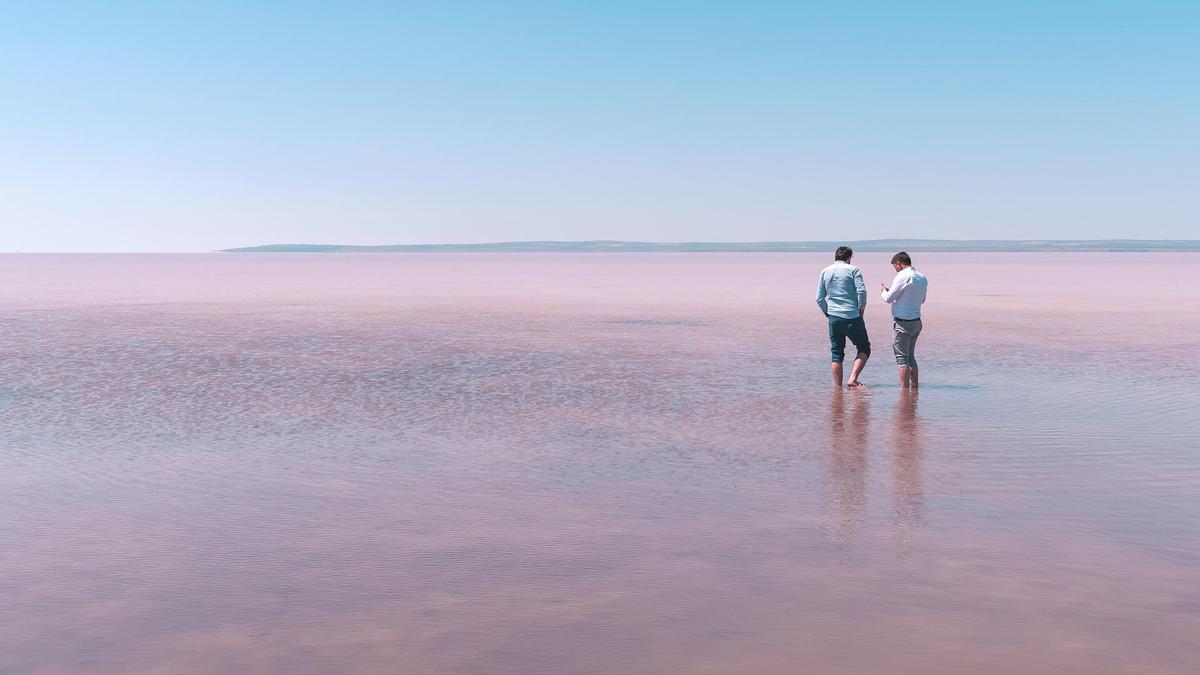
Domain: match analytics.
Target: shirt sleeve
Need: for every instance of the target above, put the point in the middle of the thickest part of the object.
(821, 293)
(861, 287)
(901, 282)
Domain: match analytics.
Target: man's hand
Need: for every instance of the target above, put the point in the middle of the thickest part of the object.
(885, 288)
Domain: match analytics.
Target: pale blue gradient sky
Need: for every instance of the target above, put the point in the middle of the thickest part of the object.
(140, 126)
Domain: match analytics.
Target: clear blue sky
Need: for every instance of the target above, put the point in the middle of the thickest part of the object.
(195, 126)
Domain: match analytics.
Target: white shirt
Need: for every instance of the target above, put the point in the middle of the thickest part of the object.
(906, 293)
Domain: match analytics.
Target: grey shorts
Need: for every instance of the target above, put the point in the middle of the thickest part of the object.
(904, 341)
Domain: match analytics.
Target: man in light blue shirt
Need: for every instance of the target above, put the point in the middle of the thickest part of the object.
(906, 295)
(842, 297)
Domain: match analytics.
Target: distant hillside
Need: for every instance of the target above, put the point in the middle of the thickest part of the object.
(877, 245)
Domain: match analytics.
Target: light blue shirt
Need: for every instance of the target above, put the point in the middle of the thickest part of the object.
(841, 291)
(906, 293)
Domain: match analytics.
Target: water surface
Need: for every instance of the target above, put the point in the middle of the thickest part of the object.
(590, 463)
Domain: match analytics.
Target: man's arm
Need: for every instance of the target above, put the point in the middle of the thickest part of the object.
(821, 294)
(901, 282)
(861, 287)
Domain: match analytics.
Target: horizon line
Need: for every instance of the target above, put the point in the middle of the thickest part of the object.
(617, 246)
(634, 246)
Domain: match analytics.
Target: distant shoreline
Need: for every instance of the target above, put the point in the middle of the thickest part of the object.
(865, 246)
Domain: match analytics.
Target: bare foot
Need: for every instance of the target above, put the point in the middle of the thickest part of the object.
(855, 385)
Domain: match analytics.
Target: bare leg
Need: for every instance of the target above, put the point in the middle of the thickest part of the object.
(856, 368)
(904, 375)
(912, 376)
(837, 374)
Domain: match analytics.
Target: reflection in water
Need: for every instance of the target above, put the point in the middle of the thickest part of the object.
(848, 427)
(908, 446)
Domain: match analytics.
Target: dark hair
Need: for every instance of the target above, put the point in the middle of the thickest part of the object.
(902, 258)
(843, 253)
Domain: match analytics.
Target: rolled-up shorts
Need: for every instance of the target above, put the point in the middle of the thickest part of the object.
(840, 329)
(904, 341)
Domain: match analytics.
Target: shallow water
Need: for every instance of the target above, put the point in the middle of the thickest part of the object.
(591, 463)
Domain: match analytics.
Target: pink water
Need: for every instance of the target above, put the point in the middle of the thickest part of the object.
(589, 463)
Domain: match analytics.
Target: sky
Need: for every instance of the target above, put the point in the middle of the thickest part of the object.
(161, 126)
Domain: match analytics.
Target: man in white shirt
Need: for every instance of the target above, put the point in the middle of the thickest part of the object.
(906, 296)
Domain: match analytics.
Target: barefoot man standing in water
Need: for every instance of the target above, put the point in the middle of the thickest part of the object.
(906, 296)
(842, 297)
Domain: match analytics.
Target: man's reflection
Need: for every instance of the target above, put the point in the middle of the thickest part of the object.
(908, 448)
(848, 426)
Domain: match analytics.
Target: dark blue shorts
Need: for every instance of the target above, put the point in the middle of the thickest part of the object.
(840, 329)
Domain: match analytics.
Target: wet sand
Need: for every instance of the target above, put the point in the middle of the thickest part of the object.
(593, 463)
